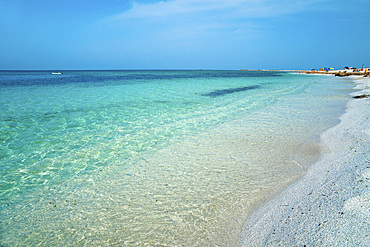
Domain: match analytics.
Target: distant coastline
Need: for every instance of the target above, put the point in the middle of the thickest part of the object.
(282, 70)
(344, 72)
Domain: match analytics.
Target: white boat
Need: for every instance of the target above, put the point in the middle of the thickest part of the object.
(56, 73)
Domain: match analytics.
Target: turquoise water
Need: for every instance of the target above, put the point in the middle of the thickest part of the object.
(135, 158)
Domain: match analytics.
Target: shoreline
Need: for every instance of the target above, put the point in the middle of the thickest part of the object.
(329, 205)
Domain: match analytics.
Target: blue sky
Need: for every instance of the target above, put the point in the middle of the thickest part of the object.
(183, 34)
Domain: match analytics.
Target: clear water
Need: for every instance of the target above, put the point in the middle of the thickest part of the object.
(151, 158)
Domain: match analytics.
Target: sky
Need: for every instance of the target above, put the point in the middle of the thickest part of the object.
(183, 34)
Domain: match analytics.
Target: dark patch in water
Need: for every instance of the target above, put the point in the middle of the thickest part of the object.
(362, 96)
(223, 92)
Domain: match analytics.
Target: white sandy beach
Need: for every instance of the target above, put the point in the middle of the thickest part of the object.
(330, 205)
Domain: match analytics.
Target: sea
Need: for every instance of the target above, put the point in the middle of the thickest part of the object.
(153, 157)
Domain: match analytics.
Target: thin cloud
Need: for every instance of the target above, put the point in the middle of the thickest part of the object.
(230, 8)
(231, 16)
(180, 25)
(197, 19)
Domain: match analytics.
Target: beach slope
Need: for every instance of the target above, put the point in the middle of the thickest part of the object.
(330, 205)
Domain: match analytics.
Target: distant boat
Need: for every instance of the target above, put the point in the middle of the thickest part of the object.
(56, 73)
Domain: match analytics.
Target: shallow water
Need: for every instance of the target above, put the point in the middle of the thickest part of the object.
(152, 157)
